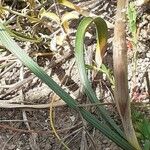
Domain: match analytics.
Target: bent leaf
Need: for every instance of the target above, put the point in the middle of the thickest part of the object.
(101, 29)
(9, 43)
(69, 15)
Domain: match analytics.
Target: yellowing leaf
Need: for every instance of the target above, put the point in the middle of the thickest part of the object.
(101, 36)
(69, 4)
(31, 3)
(3, 12)
(69, 15)
(100, 51)
(66, 26)
(49, 15)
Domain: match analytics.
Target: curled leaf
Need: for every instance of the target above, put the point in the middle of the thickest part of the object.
(69, 15)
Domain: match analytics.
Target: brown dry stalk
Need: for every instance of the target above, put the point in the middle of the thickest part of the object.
(120, 73)
(35, 106)
(7, 127)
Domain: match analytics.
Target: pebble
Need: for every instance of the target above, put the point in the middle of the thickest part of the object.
(11, 147)
(144, 34)
(148, 55)
(105, 141)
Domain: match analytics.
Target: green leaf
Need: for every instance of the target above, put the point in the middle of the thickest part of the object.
(23, 37)
(132, 15)
(101, 29)
(147, 145)
(9, 43)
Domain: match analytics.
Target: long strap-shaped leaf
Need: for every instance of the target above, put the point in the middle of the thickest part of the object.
(101, 29)
(11, 45)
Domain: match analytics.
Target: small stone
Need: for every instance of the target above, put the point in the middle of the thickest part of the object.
(144, 33)
(47, 146)
(11, 147)
(146, 59)
(148, 55)
(105, 141)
